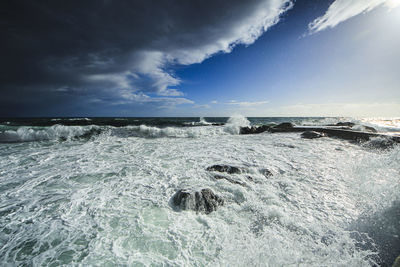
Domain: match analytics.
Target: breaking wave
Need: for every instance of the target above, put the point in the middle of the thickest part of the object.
(57, 132)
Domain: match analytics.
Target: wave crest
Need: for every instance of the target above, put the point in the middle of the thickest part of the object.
(27, 134)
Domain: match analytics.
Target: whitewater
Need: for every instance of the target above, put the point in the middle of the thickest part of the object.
(87, 192)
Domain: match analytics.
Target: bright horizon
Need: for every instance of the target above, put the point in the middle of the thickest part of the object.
(260, 59)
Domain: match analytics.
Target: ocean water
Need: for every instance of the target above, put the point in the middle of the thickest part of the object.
(97, 191)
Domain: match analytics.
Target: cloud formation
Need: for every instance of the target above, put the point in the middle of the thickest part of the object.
(119, 50)
(341, 10)
(247, 103)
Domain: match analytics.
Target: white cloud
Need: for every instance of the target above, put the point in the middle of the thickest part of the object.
(129, 97)
(148, 68)
(247, 103)
(341, 10)
(202, 106)
(361, 109)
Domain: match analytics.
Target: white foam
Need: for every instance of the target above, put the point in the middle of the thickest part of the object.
(235, 122)
(27, 134)
(106, 201)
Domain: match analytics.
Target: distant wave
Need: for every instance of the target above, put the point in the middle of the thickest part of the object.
(71, 119)
(231, 127)
(27, 134)
(63, 132)
(167, 127)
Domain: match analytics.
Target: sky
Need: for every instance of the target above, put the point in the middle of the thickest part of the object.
(200, 58)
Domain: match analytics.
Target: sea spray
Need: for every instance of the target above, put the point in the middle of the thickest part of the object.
(235, 123)
(106, 199)
(29, 134)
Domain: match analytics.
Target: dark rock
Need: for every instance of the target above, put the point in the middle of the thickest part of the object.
(346, 124)
(267, 173)
(380, 143)
(247, 130)
(312, 134)
(229, 179)
(370, 129)
(249, 178)
(254, 129)
(284, 125)
(200, 201)
(224, 168)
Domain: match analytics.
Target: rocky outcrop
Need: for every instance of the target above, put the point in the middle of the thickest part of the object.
(370, 129)
(254, 129)
(284, 125)
(229, 179)
(345, 124)
(205, 200)
(224, 168)
(312, 135)
(380, 143)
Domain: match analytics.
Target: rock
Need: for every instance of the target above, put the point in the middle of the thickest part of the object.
(380, 143)
(370, 129)
(254, 129)
(267, 173)
(233, 181)
(284, 125)
(346, 124)
(247, 130)
(200, 201)
(250, 178)
(312, 134)
(224, 168)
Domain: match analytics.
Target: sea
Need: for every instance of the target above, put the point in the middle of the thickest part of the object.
(97, 192)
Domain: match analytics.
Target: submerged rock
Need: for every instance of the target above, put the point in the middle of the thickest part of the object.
(380, 143)
(267, 173)
(231, 180)
(224, 168)
(200, 201)
(312, 134)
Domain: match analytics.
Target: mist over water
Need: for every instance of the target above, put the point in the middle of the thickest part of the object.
(92, 193)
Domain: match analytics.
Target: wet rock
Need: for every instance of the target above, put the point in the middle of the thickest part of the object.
(312, 134)
(250, 178)
(284, 125)
(254, 129)
(205, 200)
(370, 129)
(267, 173)
(346, 124)
(224, 168)
(380, 143)
(229, 179)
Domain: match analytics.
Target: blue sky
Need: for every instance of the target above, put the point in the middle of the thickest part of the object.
(353, 66)
(270, 58)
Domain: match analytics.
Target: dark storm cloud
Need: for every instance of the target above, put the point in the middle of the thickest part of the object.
(108, 50)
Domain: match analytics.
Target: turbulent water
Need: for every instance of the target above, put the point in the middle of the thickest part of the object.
(97, 192)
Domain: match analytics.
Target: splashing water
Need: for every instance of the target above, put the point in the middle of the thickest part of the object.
(235, 122)
(105, 200)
